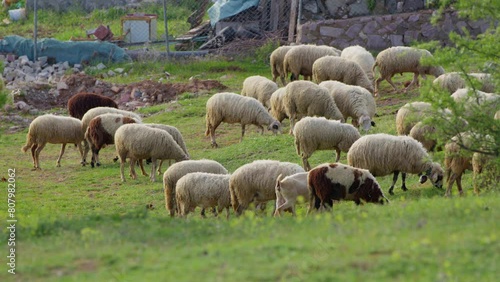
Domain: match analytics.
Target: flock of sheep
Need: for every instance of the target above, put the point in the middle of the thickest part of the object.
(343, 86)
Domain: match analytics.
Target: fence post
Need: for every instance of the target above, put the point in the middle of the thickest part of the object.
(293, 18)
(35, 31)
(166, 27)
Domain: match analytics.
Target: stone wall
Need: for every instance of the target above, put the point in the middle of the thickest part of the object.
(376, 33)
(86, 5)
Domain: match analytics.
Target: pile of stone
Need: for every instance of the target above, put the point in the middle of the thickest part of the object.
(24, 70)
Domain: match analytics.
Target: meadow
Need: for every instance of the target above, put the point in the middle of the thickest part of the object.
(76, 223)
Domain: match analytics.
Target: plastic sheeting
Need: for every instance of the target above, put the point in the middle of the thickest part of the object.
(79, 52)
(226, 8)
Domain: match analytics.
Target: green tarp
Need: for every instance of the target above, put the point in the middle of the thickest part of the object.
(79, 52)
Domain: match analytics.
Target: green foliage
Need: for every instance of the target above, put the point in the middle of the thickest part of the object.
(263, 52)
(371, 4)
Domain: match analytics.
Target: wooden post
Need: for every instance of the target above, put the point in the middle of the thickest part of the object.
(274, 16)
(293, 21)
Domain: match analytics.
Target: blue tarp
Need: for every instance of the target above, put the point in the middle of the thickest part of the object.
(226, 8)
(68, 51)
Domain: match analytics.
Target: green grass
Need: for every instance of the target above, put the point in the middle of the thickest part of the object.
(78, 224)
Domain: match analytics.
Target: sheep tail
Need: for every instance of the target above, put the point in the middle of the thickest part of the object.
(207, 131)
(29, 143)
(374, 67)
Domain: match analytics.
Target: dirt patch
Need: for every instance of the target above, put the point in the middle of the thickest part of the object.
(128, 96)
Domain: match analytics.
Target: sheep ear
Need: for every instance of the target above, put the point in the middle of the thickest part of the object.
(423, 179)
(373, 123)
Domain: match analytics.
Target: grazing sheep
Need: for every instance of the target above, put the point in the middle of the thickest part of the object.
(457, 161)
(486, 102)
(101, 132)
(299, 60)
(175, 133)
(276, 61)
(234, 108)
(452, 81)
(481, 163)
(178, 170)
(423, 134)
(137, 141)
(305, 98)
(383, 154)
(55, 130)
(402, 59)
(313, 133)
(260, 88)
(353, 101)
(92, 113)
(80, 103)
(410, 114)
(205, 190)
(340, 69)
(256, 182)
(277, 108)
(361, 56)
(335, 182)
(288, 190)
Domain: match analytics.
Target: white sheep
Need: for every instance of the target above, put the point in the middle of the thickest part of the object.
(488, 102)
(361, 56)
(423, 133)
(410, 114)
(137, 141)
(260, 88)
(54, 130)
(288, 190)
(402, 59)
(277, 108)
(233, 108)
(452, 81)
(305, 98)
(175, 133)
(255, 182)
(276, 60)
(205, 190)
(178, 170)
(299, 60)
(318, 133)
(383, 154)
(101, 132)
(92, 113)
(353, 101)
(340, 69)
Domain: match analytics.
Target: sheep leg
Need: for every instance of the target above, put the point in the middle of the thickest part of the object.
(80, 149)
(33, 149)
(337, 158)
(282, 77)
(86, 149)
(389, 79)
(403, 178)
(63, 147)
(413, 81)
(451, 179)
(132, 168)
(394, 179)
(287, 204)
(202, 213)
(159, 166)
(459, 185)
(143, 171)
(242, 132)
(212, 134)
(152, 176)
(122, 168)
(292, 124)
(305, 163)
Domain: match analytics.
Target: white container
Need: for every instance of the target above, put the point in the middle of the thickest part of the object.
(139, 28)
(17, 14)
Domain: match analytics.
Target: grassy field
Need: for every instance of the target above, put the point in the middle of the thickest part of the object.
(78, 224)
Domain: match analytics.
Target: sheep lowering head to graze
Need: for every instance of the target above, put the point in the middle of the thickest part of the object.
(305, 98)
(255, 182)
(340, 69)
(383, 154)
(402, 59)
(476, 101)
(140, 142)
(276, 61)
(299, 59)
(318, 133)
(92, 113)
(101, 132)
(205, 190)
(410, 114)
(452, 81)
(55, 130)
(260, 88)
(288, 189)
(361, 56)
(353, 101)
(80, 103)
(338, 182)
(234, 108)
(178, 170)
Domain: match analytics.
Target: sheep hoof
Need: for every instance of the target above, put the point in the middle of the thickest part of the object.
(98, 164)
(214, 145)
(115, 159)
(404, 188)
(92, 165)
(391, 190)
